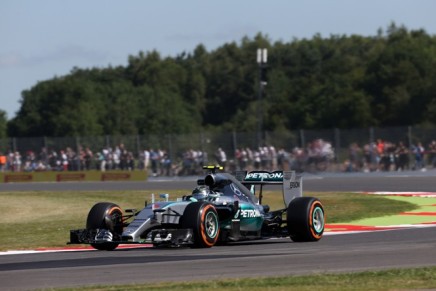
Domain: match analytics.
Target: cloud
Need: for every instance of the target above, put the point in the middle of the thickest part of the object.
(224, 34)
(10, 60)
(68, 53)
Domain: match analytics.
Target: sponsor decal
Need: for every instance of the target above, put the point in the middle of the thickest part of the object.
(70, 177)
(294, 184)
(264, 176)
(115, 176)
(18, 178)
(249, 213)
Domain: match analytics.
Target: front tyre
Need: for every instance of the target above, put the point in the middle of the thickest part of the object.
(105, 215)
(202, 218)
(305, 219)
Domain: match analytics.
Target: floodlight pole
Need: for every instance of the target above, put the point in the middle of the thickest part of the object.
(262, 55)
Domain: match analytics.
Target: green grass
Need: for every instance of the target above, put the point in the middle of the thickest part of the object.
(419, 278)
(44, 219)
(347, 207)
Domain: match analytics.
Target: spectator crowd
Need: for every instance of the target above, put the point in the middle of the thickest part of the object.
(387, 156)
(317, 155)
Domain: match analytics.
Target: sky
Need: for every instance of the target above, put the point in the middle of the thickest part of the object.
(46, 38)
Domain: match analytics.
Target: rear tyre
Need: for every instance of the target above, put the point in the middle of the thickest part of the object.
(105, 215)
(202, 218)
(305, 219)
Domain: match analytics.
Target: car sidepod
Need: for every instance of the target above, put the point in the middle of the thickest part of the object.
(251, 218)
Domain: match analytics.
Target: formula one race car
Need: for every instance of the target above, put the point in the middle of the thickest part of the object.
(221, 209)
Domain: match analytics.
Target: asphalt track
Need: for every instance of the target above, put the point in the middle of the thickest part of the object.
(338, 253)
(334, 253)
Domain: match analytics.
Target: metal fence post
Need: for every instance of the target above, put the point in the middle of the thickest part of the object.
(201, 142)
(302, 139)
(14, 144)
(234, 143)
(107, 141)
(138, 146)
(409, 136)
(78, 153)
(371, 144)
(337, 137)
(170, 148)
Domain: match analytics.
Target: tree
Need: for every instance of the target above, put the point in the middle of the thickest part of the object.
(3, 124)
(338, 81)
(399, 79)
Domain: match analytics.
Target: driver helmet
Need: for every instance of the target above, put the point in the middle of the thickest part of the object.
(200, 193)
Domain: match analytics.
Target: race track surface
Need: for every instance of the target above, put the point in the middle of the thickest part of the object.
(334, 253)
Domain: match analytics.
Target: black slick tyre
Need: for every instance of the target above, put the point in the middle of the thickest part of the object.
(305, 219)
(105, 215)
(202, 218)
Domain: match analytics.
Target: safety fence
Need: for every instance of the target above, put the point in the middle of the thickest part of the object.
(367, 149)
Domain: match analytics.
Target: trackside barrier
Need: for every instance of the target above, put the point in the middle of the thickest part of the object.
(70, 177)
(75, 176)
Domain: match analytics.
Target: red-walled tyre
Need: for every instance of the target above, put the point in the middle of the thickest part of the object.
(305, 219)
(105, 215)
(202, 218)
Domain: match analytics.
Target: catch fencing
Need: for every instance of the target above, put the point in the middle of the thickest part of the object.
(291, 149)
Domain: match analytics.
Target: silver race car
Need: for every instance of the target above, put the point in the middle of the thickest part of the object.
(222, 208)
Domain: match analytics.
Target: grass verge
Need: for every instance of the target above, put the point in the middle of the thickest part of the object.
(43, 219)
(419, 278)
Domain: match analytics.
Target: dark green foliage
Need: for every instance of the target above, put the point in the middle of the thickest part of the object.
(3, 123)
(339, 81)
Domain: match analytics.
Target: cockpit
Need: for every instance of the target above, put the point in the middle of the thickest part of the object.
(223, 187)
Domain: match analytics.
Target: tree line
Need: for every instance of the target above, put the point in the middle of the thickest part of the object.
(341, 81)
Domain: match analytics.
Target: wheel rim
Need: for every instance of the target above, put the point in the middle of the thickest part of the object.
(318, 219)
(211, 224)
(116, 217)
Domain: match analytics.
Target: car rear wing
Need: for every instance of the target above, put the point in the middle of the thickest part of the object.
(292, 184)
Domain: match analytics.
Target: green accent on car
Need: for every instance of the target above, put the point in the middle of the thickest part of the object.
(250, 217)
(318, 219)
